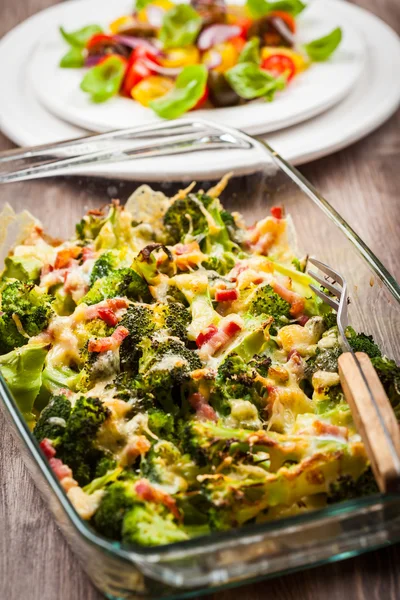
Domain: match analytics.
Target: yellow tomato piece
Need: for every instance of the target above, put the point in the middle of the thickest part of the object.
(181, 57)
(165, 4)
(120, 23)
(300, 62)
(151, 88)
(229, 55)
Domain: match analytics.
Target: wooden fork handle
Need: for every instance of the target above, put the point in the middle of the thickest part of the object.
(382, 455)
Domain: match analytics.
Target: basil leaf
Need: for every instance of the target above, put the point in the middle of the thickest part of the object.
(251, 52)
(189, 87)
(260, 8)
(180, 27)
(104, 81)
(321, 49)
(249, 81)
(73, 59)
(141, 4)
(79, 37)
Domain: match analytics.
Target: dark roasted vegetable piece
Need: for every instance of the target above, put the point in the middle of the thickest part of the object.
(121, 282)
(346, 488)
(221, 92)
(53, 418)
(361, 342)
(29, 303)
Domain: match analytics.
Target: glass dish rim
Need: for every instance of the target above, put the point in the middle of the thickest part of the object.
(217, 540)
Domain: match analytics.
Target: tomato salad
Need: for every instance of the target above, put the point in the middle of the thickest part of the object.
(179, 57)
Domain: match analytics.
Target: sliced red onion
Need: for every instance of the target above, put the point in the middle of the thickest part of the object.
(93, 60)
(135, 42)
(166, 71)
(216, 34)
(155, 15)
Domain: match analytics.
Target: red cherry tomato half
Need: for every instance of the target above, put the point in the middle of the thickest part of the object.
(276, 211)
(137, 69)
(244, 23)
(279, 64)
(286, 18)
(97, 38)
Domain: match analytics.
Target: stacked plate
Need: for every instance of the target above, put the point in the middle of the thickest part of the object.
(326, 108)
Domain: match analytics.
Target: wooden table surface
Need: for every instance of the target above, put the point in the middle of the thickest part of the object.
(363, 183)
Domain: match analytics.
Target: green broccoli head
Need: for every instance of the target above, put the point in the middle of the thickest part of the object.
(104, 265)
(186, 215)
(330, 320)
(161, 424)
(389, 374)
(347, 488)
(53, 418)
(105, 464)
(325, 359)
(10, 337)
(29, 303)
(75, 441)
(121, 282)
(267, 302)
(139, 321)
(175, 318)
(90, 225)
(22, 268)
(117, 500)
(361, 342)
(151, 525)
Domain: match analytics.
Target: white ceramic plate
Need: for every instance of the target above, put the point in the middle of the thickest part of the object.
(374, 99)
(312, 92)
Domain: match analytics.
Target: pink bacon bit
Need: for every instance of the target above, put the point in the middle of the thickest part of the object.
(47, 448)
(229, 327)
(206, 335)
(61, 471)
(204, 411)
(226, 295)
(109, 343)
(302, 320)
(88, 253)
(148, 493)
(106, 310)
(296, 302)
(108, 316)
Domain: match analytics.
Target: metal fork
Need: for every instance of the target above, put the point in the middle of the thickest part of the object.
(147, 141)
(369, 404)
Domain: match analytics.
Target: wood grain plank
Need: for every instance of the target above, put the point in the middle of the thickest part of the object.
(362, 182)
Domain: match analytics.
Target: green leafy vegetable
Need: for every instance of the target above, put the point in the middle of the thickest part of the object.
(141, 4)
(249, 81)
(260, 8)
(180, 27)
(73, 59)
(322, 48)
(251, 52)
(189, 87)
(22, 268)
(80, 37)
(22, 371)
(103, 81)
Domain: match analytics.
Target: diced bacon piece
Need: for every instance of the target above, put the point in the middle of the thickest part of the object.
(108, 316)
(139, 446)
(60, 470)
(323, 428)
(226, 295)
(206, 335)
(302, 320)
(108, 343)
(64, 257)
(46, 269)
(112, 304)
(88, 253)
(229, 327)
(277, 212)
(295, 300)
(204, 411)
(117, 303)
(47, 448)
(236, 270)
(147, 492)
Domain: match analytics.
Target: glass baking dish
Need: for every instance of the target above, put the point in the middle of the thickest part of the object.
(260, 179)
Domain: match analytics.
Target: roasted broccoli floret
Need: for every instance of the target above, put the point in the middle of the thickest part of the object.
(117, 500)
(75, 442)
(161, 424)
(104, 265)
(330, 320)
(347, 488)
(121, 282)
(389, 374)
(325, 359)
(177, 319)
(105, 464)
(267, 302)
(361, 342)
(53, 418)
(139, 321)
(27, 303)
(151, 525)
(10, 337)
(186, 215)
(22, 268)
(90, 225)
